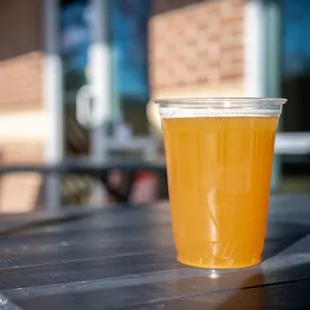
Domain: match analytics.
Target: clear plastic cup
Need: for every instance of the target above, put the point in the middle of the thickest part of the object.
(219, 154)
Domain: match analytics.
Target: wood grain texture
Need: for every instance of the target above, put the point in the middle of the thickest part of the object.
(123, 258)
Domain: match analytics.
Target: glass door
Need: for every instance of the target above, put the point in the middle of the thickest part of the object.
(296, 64)
(103, 46)
(84, 51)
(75, 44)
(295, 83)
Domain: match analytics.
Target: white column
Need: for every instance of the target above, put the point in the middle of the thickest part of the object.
(262, 55)
(100, 66)
(53, 101)
(100, 79)
(254, 48)
(272, 40)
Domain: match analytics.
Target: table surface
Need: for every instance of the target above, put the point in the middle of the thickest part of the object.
(123, 258)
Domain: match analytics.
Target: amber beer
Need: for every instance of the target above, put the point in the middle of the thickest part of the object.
(219, 174)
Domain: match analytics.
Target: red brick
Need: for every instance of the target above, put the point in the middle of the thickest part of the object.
(21, 55)
(194, 35)
(21, 73)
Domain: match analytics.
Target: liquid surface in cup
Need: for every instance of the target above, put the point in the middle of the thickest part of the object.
(219, 171)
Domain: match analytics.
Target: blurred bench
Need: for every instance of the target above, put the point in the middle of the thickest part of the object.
(100, 171)
(286, 144)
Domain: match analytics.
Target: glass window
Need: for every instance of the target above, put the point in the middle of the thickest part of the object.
(74, 43)
(129, 30)
(75, 40)
(296, 77)
(296, 64)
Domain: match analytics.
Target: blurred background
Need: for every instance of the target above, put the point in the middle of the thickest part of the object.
(76, 78)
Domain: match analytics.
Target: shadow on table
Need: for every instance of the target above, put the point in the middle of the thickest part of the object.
(21, 227)
(284, 295)
(249, 296)
(260, 290)
(284, 288)
(122, 216)
(281, 236)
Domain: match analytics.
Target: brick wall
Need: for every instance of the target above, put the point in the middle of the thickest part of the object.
(196, 46)
(21, 105)
(195, 50)
(20, 55)
(20, 82)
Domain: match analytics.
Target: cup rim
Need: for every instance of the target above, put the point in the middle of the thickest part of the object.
(219, 100)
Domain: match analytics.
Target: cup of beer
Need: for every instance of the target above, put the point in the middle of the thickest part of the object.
(219, 154)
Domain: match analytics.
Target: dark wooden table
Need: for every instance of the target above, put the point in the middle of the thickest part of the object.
(123, 258)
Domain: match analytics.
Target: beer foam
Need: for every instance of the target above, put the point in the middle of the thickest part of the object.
(173, 112)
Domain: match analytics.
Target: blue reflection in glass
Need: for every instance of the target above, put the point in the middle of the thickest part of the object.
(75, 41)
(295, 37)
(129, 27)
